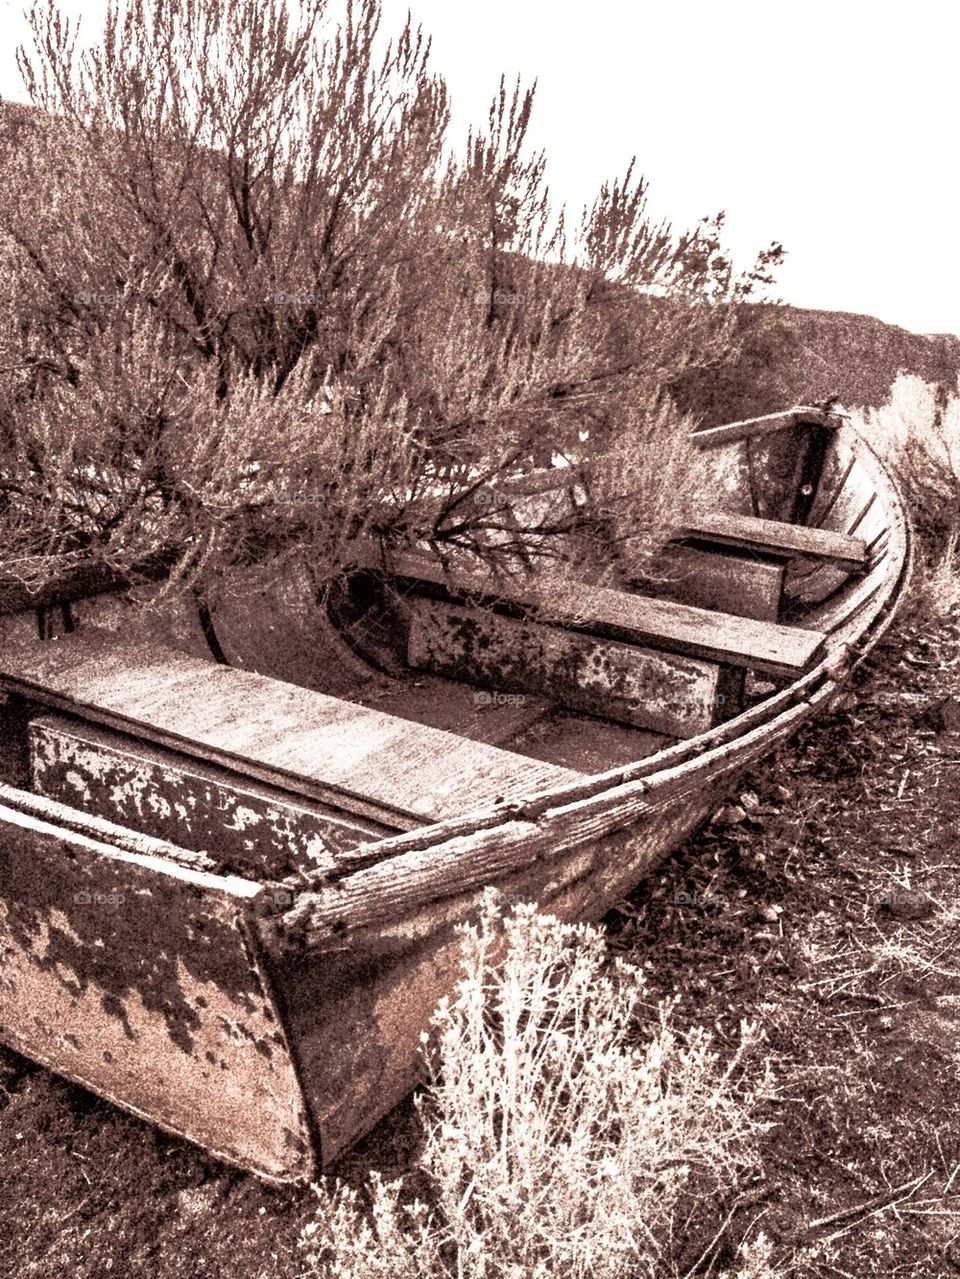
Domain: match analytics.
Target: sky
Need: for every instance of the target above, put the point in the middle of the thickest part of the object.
(829, 126)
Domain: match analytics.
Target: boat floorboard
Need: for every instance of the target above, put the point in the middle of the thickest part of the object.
(586, 744)
(530, 725)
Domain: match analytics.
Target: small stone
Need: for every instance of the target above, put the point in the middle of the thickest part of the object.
(770, 913)
(749, 801)
(942, 716)
(730, 815)
(949, 715)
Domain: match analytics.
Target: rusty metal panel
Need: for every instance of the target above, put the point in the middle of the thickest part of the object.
(250, 828)
(136, 977)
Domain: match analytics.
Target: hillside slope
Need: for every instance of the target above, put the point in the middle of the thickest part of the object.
(793, 356)
(858, 357)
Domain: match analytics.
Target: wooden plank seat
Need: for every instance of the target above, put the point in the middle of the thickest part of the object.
(674, 695)
(753, 427)
(363, 761)
(634, 619)
(774, 537)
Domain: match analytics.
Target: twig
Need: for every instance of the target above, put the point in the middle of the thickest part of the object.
(712, 1245)
(890, 1197)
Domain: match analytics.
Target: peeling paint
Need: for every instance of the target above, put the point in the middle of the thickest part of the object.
(668, 693)
(256, 830)
(134, 1000)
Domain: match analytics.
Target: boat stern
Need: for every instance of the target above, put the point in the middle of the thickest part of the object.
(139, 979)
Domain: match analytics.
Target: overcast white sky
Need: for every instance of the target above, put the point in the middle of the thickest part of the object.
(831, 126)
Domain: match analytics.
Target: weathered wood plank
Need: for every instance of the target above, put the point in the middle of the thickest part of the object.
(679, 696)
(77, 582)
(774, 537)
(619, 771)
(359, 1046)
(249, 828)
(811, 582)
(133, 976)
(69, 818)
(753, 426)
(450, 705)
(661, 624)
(588, 744)
(850, 510)
(737, 584)
(397, 772)
(410, 885)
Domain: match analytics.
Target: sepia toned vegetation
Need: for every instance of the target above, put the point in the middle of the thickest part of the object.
(259, 308)
(555, 1143)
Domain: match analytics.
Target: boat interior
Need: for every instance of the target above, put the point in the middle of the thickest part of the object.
(401, 704)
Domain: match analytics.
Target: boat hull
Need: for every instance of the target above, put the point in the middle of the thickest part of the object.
(357, 1009)
(276, 1023)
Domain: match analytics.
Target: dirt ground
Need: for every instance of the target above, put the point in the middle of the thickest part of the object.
(822, 901)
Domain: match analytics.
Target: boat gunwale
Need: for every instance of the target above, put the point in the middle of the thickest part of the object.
(713, 753)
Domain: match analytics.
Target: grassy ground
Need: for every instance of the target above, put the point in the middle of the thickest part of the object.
(821, 902)
(830, 914)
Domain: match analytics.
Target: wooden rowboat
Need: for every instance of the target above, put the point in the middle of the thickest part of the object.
(227, 903)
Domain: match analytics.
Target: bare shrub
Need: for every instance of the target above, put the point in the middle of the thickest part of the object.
(226, 204)
(557, 1142)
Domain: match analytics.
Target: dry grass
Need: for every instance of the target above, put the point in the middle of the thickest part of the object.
(557, 1141)
(941, 577)
(918, 430)
(830, 916)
